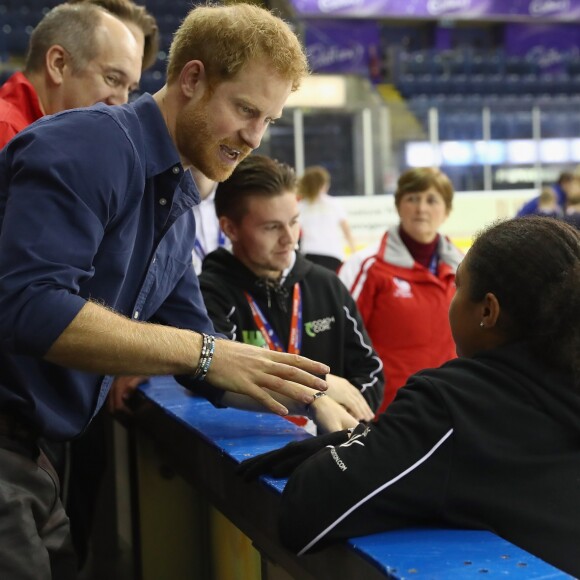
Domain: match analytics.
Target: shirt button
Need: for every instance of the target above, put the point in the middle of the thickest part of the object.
(162, 201)
(154, 260)
(136, 314)
(175, 169)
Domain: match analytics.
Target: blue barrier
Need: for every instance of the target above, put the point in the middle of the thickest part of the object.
(229, 436)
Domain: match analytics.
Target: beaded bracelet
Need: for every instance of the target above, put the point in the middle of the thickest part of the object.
(316, 395)
(205, 357)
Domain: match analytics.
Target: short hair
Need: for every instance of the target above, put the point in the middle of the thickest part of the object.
(71, 26)
(313, 180)
(573, 197)
(532, 265)
(255, 176)
(226, 38)
(547, 195)
(420, 179)
(128, 11)
(565, 176)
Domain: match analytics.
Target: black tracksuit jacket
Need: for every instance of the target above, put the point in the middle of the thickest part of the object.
(491, 442)
(332, 330)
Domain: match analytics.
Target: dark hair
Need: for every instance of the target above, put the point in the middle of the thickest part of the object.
(255, 176)
(532, 265)
(129, 12)
(420, 179)
(547, 195)
(565, 176)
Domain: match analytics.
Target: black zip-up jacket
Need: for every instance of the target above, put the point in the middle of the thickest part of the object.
(491, 442)
(332, 330)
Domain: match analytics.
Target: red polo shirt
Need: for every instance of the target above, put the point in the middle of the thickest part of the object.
(19, 107)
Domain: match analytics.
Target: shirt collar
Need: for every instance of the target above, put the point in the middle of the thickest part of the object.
(160, 149)
(162, 155)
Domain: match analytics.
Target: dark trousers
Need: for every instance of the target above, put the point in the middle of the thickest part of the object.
(35, 541)
(87, 464)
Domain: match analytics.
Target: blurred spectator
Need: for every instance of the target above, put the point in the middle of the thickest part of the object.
(572, 214)
(323, 221)
(404, 286)
(548, 203)
(565, 181)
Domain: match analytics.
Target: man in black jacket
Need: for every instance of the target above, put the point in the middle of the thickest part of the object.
(265, 293)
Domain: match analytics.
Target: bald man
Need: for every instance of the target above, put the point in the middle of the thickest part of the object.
(78, 55)
(139, 20)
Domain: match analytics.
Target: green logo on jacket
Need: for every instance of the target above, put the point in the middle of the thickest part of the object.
(254, 337)
(317, 326)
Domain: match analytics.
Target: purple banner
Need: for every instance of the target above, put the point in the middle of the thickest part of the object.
(342, 47)
(539, 9)
(557, 10)
(549, 46)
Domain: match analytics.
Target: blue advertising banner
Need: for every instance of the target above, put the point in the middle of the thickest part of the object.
(556, 10)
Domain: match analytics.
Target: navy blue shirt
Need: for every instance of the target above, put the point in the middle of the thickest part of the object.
(94, 204)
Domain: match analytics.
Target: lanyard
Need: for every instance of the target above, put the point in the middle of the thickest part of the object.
(434, 263)
(199, 250)
(272, 340)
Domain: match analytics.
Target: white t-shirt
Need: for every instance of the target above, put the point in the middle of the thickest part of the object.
(320, 226)
(208, 236)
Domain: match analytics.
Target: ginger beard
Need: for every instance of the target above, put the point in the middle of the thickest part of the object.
(195, 136)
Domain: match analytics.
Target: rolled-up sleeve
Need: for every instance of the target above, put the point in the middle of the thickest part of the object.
(55, 210)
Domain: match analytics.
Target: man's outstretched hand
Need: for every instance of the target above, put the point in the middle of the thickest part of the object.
(248, 370)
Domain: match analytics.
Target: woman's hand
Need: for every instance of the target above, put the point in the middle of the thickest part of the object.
(329, 416)
(349, 397)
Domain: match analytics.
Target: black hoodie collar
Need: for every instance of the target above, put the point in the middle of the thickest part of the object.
(226, 265)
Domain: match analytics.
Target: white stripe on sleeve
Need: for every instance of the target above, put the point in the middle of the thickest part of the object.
(378, 490)
(373, 376)
(356, 290)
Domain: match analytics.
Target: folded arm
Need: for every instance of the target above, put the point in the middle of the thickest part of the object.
(391, 474)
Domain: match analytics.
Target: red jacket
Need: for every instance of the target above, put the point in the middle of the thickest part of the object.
(19, 107)
(404, 307)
